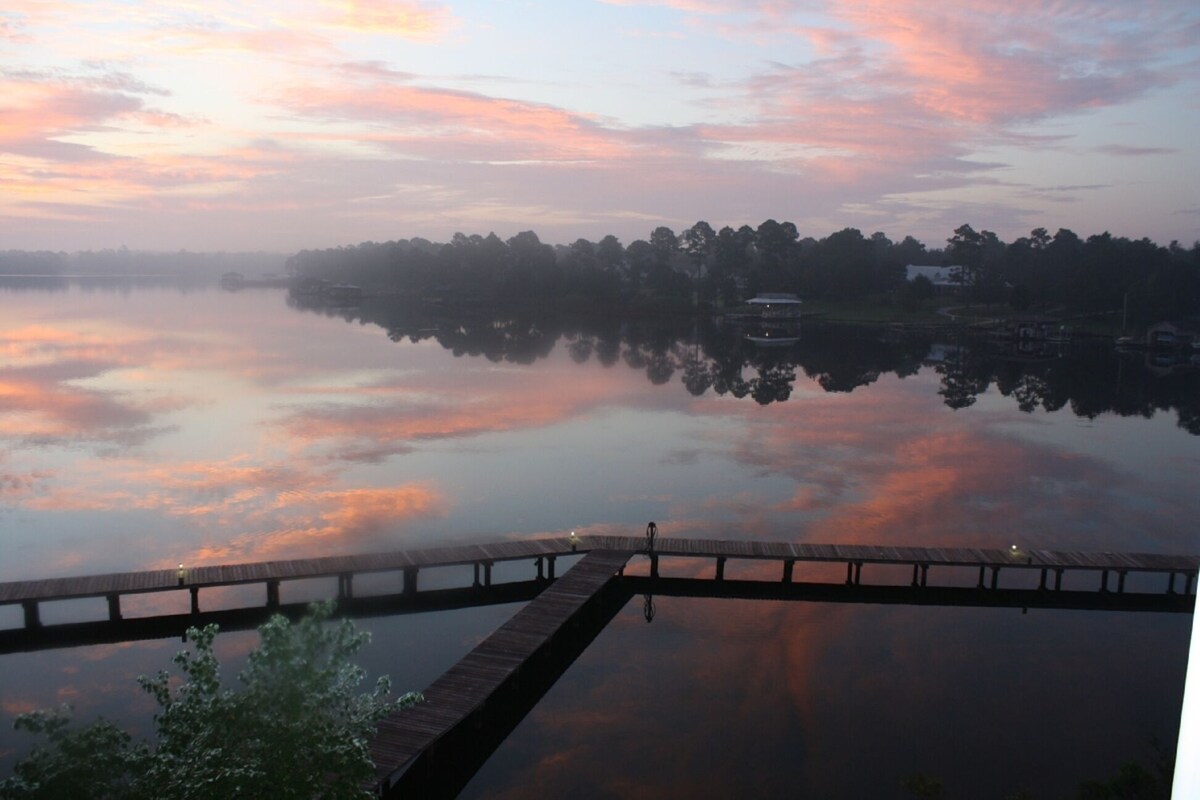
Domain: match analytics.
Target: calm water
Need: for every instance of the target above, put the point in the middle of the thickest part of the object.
(150, 426)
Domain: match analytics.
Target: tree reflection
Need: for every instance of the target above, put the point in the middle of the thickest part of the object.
(1090, 378)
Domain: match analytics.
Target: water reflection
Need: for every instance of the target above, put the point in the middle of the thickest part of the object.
(795, 700)
(1091, 377)
(147, 429)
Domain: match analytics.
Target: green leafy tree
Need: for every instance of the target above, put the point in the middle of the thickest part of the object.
(296, 727)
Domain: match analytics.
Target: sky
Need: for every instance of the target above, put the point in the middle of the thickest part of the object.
(318, 123)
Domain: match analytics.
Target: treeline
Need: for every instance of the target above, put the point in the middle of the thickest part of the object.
(123, 261)
(1099, 273)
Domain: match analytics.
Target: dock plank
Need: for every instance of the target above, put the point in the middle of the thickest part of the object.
(466, 686)
(63, 588)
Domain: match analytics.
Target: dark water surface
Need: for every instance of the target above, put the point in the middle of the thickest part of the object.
(145, 427)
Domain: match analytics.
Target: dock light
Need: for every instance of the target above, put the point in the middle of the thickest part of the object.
(182, 573)
(574, 541)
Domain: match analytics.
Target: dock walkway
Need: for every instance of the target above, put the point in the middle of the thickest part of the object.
(989, 561)
(30, 594)
(559, 620)
(460, 694)
(1112, 568)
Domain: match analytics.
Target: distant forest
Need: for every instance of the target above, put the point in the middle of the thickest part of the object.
(123, 261)
(668, 271)
(719, 268)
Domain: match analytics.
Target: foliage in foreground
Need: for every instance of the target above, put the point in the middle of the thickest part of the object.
(295, 728)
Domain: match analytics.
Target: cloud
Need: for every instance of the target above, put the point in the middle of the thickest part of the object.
(16, 485)
(413, 20)
(1127, 150)
(854, 113)
(453, 125)
(37, 110)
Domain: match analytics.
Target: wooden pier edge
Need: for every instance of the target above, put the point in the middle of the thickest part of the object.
(463, 691)
(1111, 569)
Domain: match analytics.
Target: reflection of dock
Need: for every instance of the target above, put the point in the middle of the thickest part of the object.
(435, 748)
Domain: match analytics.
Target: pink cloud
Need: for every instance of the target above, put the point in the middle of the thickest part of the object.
(864, 102)
(413, 20)
(451, 125)
(34, 111)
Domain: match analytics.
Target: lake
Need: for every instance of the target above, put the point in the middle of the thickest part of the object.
(143, 427)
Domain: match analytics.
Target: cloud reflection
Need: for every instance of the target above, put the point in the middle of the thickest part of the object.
(385, 419)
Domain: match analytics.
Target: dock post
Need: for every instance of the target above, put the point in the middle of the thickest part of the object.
(857, 572)
(915, 584)
(487, 573)
(345, 587)
(1042, 582)
(114, 607)
(788, 565)
(995, 577)
(1121, 581)
(550, 567)
(475, 582)
(982, 569)
(410, 581)
(273, 594)
(654, 565)
(720, 568)
(32, 617)
(1104, 580)
(1058, 573)
(195, 592)
(924, 575)
(1171, 584)
(538, 561)
(1191, 579)
(849, 573)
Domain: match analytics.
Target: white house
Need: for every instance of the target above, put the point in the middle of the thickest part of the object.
(941, 277)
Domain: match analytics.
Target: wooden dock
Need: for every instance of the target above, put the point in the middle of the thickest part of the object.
(408, 563)
(1111, 569)
(459, 696)
(415, 747)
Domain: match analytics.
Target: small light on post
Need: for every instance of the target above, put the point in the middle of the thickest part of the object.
(574, 541)
(182, 574)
